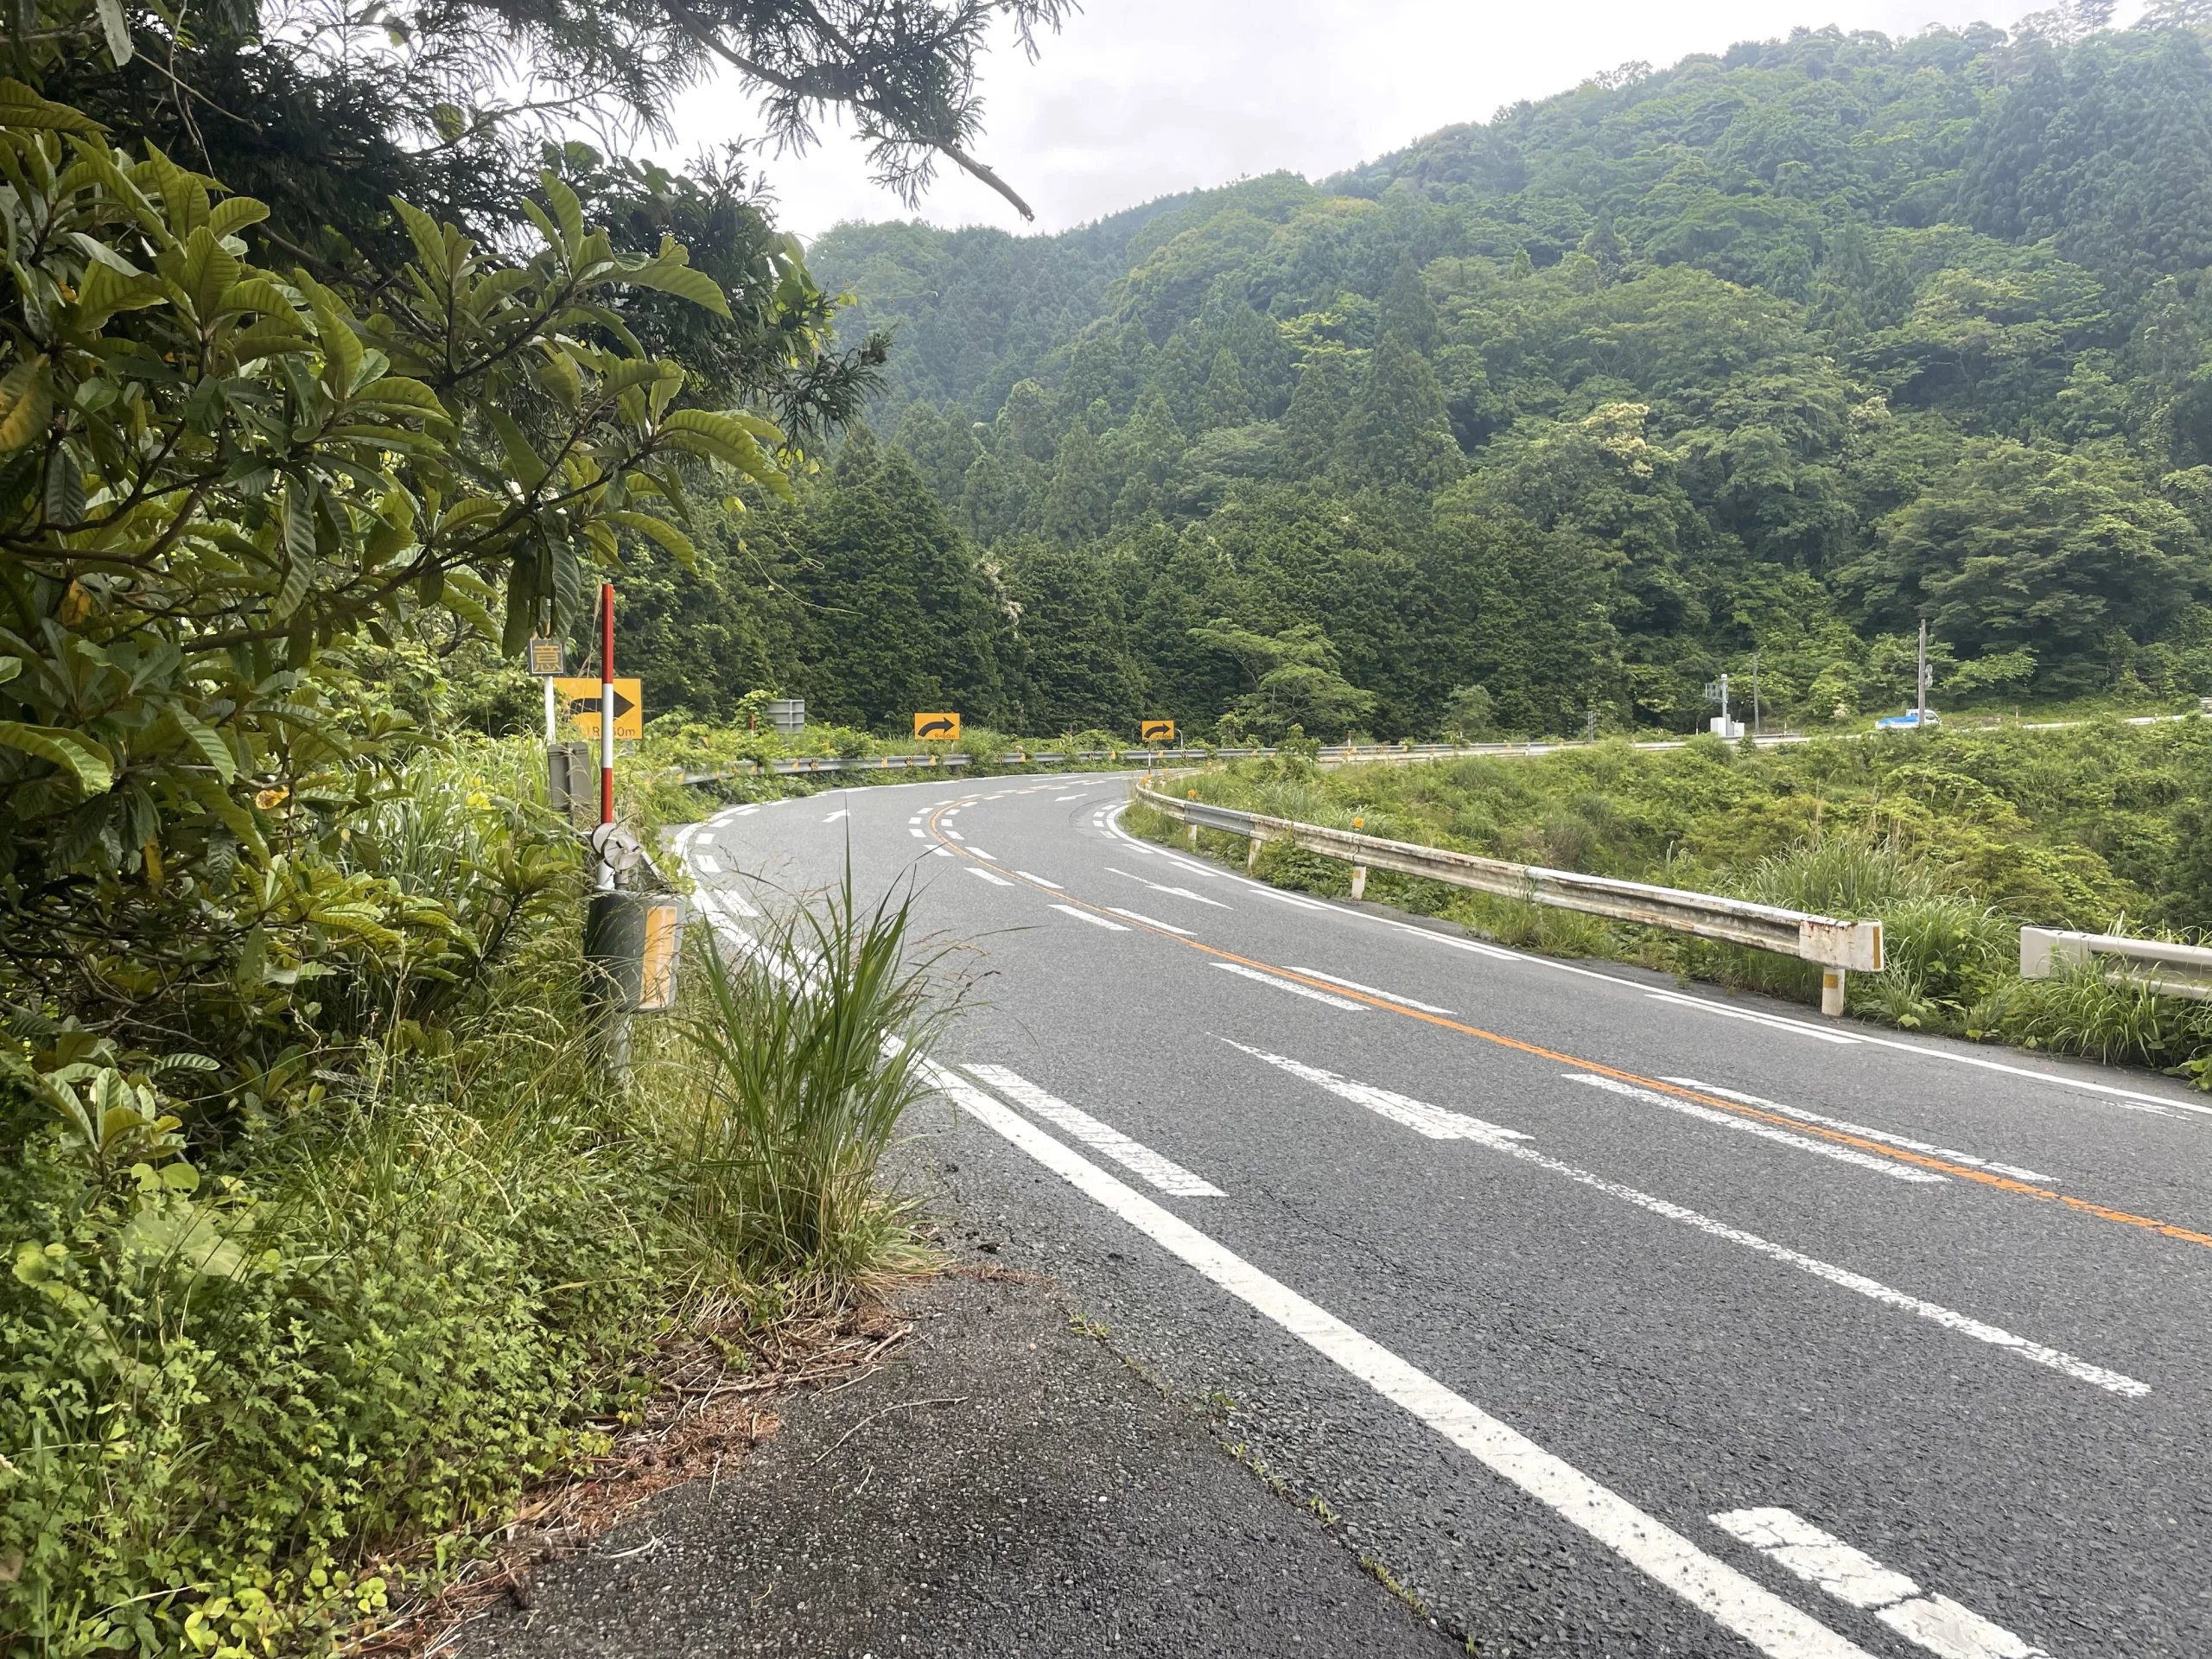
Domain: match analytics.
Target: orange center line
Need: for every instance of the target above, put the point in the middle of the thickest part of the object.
(1881, 1149)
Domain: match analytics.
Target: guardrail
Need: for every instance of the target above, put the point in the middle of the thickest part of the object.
(2167, 970)
(1336, 754)
(1839, 947)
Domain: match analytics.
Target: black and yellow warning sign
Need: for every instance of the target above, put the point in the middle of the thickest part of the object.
(942, 726)
(1156, 731)
(580, 702)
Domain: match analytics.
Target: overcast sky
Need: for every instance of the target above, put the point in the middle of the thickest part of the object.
(1138, 98)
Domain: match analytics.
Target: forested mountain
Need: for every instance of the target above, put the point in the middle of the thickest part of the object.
(1783, 350)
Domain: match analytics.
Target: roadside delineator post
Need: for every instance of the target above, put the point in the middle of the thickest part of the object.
(1359, 881)
(1832, 981)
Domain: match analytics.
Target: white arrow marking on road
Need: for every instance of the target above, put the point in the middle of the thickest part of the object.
(1936, 1623)
(1085, 916)
(1162, 1171)
(1292, 986)
(2057, 1360)
(1849, 1128)
(1890, 1167)
(834, 816)
(1708, 1583)
(993, 877)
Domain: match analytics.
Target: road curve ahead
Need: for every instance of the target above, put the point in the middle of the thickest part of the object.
(1610, 1318)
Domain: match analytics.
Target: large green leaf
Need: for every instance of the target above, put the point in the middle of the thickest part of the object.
(74, 752)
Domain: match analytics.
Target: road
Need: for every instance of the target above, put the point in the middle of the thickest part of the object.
(1610, 1318)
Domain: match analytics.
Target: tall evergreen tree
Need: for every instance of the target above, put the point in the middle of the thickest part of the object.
(1074, 507)
(1225, 401)
(1315, 420)
(1398, 431)
(900, 617)
(1407, 310)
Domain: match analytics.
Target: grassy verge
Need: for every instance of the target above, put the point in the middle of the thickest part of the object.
(273, 1357)
(1954, 839)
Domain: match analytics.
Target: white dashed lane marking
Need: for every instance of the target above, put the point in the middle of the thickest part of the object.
(1868, 1160)
(1510, 1142)
(1354, 985)
(1861, 1129)
(1085, 916)
(1163, 1172)
(1936, 1623)
(991, 876)
(1292, 986)
(1152, 921)
(1179, 893)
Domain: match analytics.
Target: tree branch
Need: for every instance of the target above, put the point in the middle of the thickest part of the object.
(707, 37)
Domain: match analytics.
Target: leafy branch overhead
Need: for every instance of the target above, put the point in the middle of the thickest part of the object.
(211, 471)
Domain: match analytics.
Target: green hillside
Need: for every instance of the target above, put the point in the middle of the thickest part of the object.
(1783, 350)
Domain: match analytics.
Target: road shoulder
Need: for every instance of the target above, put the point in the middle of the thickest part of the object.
(1002, 1483)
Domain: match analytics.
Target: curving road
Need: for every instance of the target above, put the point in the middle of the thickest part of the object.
(1611, 1318)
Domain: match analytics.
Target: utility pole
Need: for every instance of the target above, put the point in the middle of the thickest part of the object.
(606, 724)
(1755, 691)
(1920, 680)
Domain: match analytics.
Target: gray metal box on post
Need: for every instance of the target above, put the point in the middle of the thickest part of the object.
(572, 782)
(788, 715)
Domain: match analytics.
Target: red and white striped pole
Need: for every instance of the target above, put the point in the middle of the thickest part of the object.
(605, 718)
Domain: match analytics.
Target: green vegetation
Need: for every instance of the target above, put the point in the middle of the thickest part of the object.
(1778, 350)
(326, 1229)
(1954, 839)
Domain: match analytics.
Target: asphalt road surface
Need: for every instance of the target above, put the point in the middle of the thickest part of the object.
(1610, 1318)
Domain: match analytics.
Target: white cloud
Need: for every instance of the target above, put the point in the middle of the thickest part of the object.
(1138, 98)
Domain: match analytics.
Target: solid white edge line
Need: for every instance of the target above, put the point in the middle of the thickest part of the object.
(1085, 916)
(1912, 1174)
(1292, 986)
(1675, 999)
(1735, 1602)
(1160, 1169)
(2126, 1099)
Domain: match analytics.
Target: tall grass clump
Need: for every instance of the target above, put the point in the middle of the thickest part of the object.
(796, 1066)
